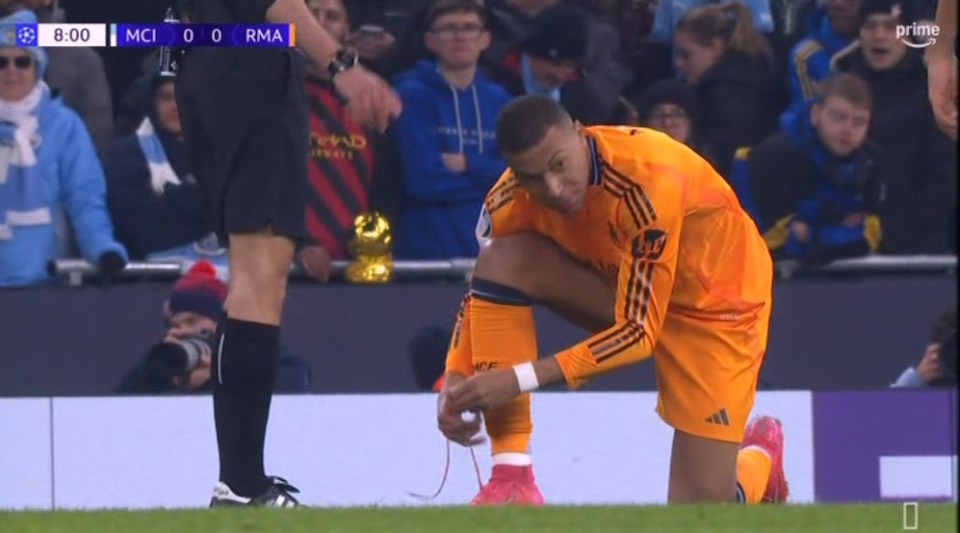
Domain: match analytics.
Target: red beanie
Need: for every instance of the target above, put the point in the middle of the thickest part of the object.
(199, 291)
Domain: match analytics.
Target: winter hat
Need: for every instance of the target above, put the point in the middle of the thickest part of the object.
(901, 9)
(559, 33)
(667, 92)
(199, 291)
(8, 37)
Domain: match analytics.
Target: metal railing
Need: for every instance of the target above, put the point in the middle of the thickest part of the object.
(74, 271)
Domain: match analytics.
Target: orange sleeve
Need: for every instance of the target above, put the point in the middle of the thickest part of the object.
(504, 210)
(644, 286)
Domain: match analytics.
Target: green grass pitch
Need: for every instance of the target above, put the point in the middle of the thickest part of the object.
(873, 518)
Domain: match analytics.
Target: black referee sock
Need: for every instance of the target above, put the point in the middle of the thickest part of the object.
(244, 370)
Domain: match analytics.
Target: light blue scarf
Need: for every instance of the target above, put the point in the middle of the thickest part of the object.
(23, 191)
(162, 174)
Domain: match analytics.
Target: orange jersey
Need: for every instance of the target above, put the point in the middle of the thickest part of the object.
(662, 225)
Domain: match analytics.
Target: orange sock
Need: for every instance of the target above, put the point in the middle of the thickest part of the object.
(502, 334)
(753, 471)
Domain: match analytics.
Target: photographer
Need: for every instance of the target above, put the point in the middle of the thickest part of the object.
(181, 362)
(938, 366)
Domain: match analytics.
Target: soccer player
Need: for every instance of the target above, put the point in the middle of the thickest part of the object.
(941, 59)
(244, 117)
(637, 238)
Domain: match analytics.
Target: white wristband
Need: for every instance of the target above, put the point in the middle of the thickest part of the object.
(526, 377)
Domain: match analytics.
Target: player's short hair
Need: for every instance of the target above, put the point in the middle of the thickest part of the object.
(446, 7)
(850, 87)
(523, 122)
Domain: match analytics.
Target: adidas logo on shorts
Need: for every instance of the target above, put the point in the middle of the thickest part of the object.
(720, 417)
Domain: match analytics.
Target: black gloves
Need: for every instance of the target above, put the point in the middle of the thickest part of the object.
(111, 263)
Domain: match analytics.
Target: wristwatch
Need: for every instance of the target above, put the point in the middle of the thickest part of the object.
(343, 60)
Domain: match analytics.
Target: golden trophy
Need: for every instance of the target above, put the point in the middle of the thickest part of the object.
(370, 246)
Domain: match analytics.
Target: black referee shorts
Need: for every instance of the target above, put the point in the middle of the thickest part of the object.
(244, 118)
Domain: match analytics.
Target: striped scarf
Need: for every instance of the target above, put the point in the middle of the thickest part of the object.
(161, 173)
(23, 191)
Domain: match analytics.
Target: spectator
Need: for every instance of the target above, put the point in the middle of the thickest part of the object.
(670, 14)
(181, 362)
(938, 366)
(671, 107)
(349, 166)
(446, 137)
(154, 199)
(509, 22)
(646, 61)
(729, 65)
(51, 184)
(831, 29)
(916, 161)
(812, 187)
(379, 28)
(564, 52)
(130, 108)
(76, 73)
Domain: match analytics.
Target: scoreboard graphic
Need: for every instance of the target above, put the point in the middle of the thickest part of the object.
(165, 34)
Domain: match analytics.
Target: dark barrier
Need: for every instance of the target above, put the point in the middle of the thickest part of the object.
(850, 333)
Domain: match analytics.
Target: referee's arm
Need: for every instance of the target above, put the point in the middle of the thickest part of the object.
(371, 101)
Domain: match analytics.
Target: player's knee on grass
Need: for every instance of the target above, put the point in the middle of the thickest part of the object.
(702, 470)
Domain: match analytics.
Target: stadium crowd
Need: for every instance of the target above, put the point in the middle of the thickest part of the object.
(815, 111)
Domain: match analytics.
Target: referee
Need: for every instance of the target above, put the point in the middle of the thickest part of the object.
(244, 117)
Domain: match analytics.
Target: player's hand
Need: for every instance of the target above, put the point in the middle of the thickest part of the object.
(451, 423)
(483, 391)
(370, 101)
(942, 90)
(315, 261)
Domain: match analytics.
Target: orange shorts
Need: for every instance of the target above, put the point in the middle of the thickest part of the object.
(707, 373)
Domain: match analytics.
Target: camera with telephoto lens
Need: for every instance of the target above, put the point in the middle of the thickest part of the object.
(178, 357)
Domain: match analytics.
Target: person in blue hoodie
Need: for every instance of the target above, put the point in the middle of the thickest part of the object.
(52, 192)
(831, 29)
(445, 137)
(812, 187)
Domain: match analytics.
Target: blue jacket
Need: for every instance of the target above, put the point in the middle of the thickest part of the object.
(440, 208)
(792, 176)
(76, 194)
(810, 57)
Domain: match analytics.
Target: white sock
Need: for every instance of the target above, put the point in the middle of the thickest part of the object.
(513, 459)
